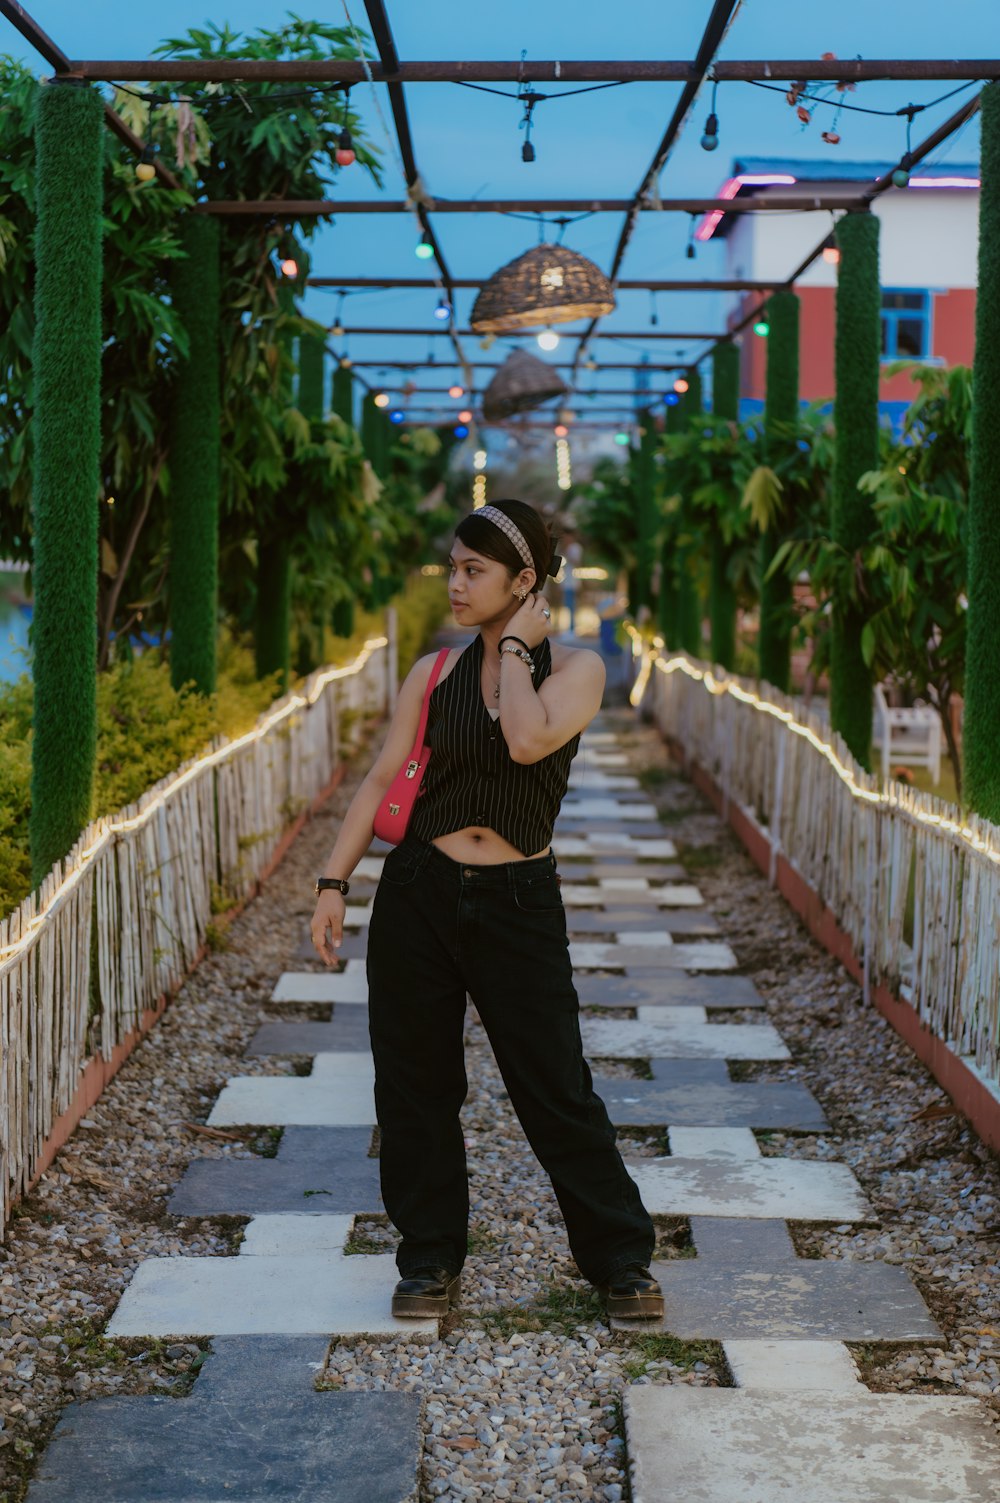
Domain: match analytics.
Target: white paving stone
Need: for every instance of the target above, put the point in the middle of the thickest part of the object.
(597, 780)
(707, 955)
(772, 1188)
(340, 1092)
(729, 1446)
(294, 1235)
(595, 846)
(633, 891)
(258, 1294)
(680, 1038)
(793, 1366)
(368, 869)
(605, 808)
(348, 985)
(713, 1142)
(356, 916)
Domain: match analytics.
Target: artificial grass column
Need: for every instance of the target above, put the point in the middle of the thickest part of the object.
(644, 482)
(195, 477)
(343, 394)
(981, 735)
(69, 147)
(688, 598)
(781, 409)
(667, 604)
(274, 600)
(722, 597)
(312, 355)
(855, 415)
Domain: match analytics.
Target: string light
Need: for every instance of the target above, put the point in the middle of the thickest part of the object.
(681, 385)
(560, 430)
(456, 391)
(381, 399)
(398, 416)
(710, 138)
(831, 255)
(145, 171)
(762, 327)
(443, 309)
(671, 399)
(548, 339)
(460, 430)
(424, 250)
(289, 268)
(564, 478)
(107, 831)
(479, 491)
(621, 438)
(465, 416)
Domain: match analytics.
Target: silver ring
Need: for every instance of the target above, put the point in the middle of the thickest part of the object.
(546, 612)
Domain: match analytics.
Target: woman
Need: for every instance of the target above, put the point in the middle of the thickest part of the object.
(469, 902)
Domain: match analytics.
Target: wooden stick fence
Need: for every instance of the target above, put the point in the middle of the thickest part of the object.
(913, 883)
(118, 924)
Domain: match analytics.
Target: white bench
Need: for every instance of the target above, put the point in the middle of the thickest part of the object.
(911, 736)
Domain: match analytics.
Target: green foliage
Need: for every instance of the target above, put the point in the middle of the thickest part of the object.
(982, 694)
(607, 515)
(721, 594)
(856, 424)
(780, 413)
(67, 431)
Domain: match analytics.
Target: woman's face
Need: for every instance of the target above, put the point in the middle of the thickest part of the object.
(479, 589)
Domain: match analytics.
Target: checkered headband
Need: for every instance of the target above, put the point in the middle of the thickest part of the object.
(509, 529)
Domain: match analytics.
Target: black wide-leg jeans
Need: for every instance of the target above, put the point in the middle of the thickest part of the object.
(439, 930)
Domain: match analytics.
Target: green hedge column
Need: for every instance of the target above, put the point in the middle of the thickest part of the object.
(69, 138)
(982, 677)
(644, 480)
(343, 394)
(688, 597)
(855, 415)
(274, 591)
(722, 597)
(312, 354)
(195, 477)
(781, 407)
(667, 605)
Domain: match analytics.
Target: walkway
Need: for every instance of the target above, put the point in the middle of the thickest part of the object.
(749, 1391)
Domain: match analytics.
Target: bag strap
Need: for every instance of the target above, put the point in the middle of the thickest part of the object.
(426, 706)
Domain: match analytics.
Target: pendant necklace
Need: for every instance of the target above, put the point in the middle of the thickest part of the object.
(496, 681)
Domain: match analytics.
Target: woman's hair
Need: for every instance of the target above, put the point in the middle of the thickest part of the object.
(480, 533)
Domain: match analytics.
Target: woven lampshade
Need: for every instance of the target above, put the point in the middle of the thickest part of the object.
(522, 382)
(547, 285)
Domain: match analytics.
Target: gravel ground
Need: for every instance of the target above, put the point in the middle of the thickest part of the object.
(523, 1389)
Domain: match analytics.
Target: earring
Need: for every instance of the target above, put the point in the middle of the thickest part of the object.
(522, 595)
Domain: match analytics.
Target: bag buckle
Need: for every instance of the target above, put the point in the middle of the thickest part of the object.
(412, 768)
(393, 808)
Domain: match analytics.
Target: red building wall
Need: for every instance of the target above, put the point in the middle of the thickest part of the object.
(953, 315)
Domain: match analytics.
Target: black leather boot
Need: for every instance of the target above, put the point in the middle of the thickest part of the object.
(633, 1294)
(426, 1292)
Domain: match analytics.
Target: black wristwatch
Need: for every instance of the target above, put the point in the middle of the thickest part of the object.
(323, 884)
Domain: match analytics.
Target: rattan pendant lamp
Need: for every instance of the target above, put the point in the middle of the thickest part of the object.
(547, 285)
(521, 383)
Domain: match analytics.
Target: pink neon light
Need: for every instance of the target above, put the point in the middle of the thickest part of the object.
(731, 187)
(945, 182)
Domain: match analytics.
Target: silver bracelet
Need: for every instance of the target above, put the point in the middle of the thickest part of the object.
(519, 652)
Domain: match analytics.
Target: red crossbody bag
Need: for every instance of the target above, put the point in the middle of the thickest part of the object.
(394, 812)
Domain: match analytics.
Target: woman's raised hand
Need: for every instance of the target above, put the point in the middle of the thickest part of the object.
(532, 623)
(327, 927)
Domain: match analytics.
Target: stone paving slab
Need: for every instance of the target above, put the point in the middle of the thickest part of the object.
(348, 985)
(648, 1103)
(790, 1189)
(292, 1293)
(588, 955)
(602, 780)
(577, 869)
(627, 923)
(323, 1170)
(630, 892)
(606, 808)
(347, 1032)
(609, 1038)
(742, 1242)
(794, 1366)
(727, 1446)
(326, 1447)
(674, 989)
(598, 845)
(340, 1092)
(811, 1298)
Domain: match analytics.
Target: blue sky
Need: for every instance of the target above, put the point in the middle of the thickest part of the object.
(468, 144)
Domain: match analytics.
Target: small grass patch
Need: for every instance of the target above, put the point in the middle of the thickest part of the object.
(702, 857)
(655, 1348)
(595, 1010)
(265, 1142)
(674, 815)
(654, 777)
(560, 1307)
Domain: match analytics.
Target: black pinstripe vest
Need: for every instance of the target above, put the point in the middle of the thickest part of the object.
(471, 778)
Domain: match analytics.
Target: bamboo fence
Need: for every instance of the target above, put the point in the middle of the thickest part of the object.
(913, 882)
(118, 924)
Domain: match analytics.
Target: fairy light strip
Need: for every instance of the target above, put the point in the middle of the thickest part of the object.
(212, 759)
(715, 686)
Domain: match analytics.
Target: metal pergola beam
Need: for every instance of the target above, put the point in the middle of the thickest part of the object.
(726, 284)
(302, 208)
(351, 329)
(678, 70)
(493, 365)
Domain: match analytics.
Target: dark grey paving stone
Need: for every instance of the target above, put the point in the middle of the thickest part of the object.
(354, 946)
(641, 829)
(673, 989)
(741, 1242)
(243, 1368)
(792, 1299)
(685, 1072)
(574, 870)
(346, 1032)
(683, 921)
(326, 1447)
(317, 1169)
(756, 1104)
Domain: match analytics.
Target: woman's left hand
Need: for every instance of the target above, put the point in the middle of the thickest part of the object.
(532, 623)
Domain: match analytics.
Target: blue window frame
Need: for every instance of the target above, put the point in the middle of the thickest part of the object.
(906, 324)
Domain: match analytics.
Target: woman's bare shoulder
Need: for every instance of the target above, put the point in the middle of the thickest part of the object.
(421, 671)
(580, 659)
